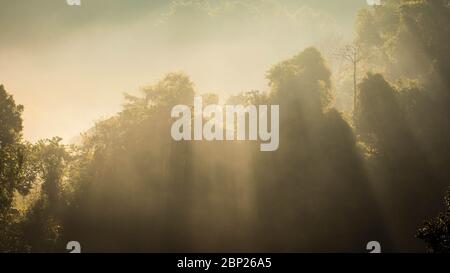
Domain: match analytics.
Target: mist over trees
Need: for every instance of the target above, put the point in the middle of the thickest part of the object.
(334, 184)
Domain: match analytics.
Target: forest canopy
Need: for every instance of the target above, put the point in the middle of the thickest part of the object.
(375, 169)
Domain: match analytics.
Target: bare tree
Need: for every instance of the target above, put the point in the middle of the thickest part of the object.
(352, 54)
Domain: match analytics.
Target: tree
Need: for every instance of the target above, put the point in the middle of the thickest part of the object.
(304, 81)
(42, 225)
(436, 232)
(53, 158)
(313, 182)
(352, 53)
(405, 121)
(379, 120)
(17, 169)
(406, 37)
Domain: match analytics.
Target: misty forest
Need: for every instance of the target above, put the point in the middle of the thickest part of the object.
(364, 154)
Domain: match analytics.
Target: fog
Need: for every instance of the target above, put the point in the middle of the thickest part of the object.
(362, 148)
(71, 65)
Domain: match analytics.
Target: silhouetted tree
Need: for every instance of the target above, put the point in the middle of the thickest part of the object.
(436, 232)
(17, 172)
(42, 226)
(313, 182)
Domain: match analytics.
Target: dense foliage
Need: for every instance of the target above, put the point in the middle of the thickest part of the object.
(333, 185)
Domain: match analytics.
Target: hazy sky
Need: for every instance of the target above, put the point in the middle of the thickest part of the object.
(69, 66)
